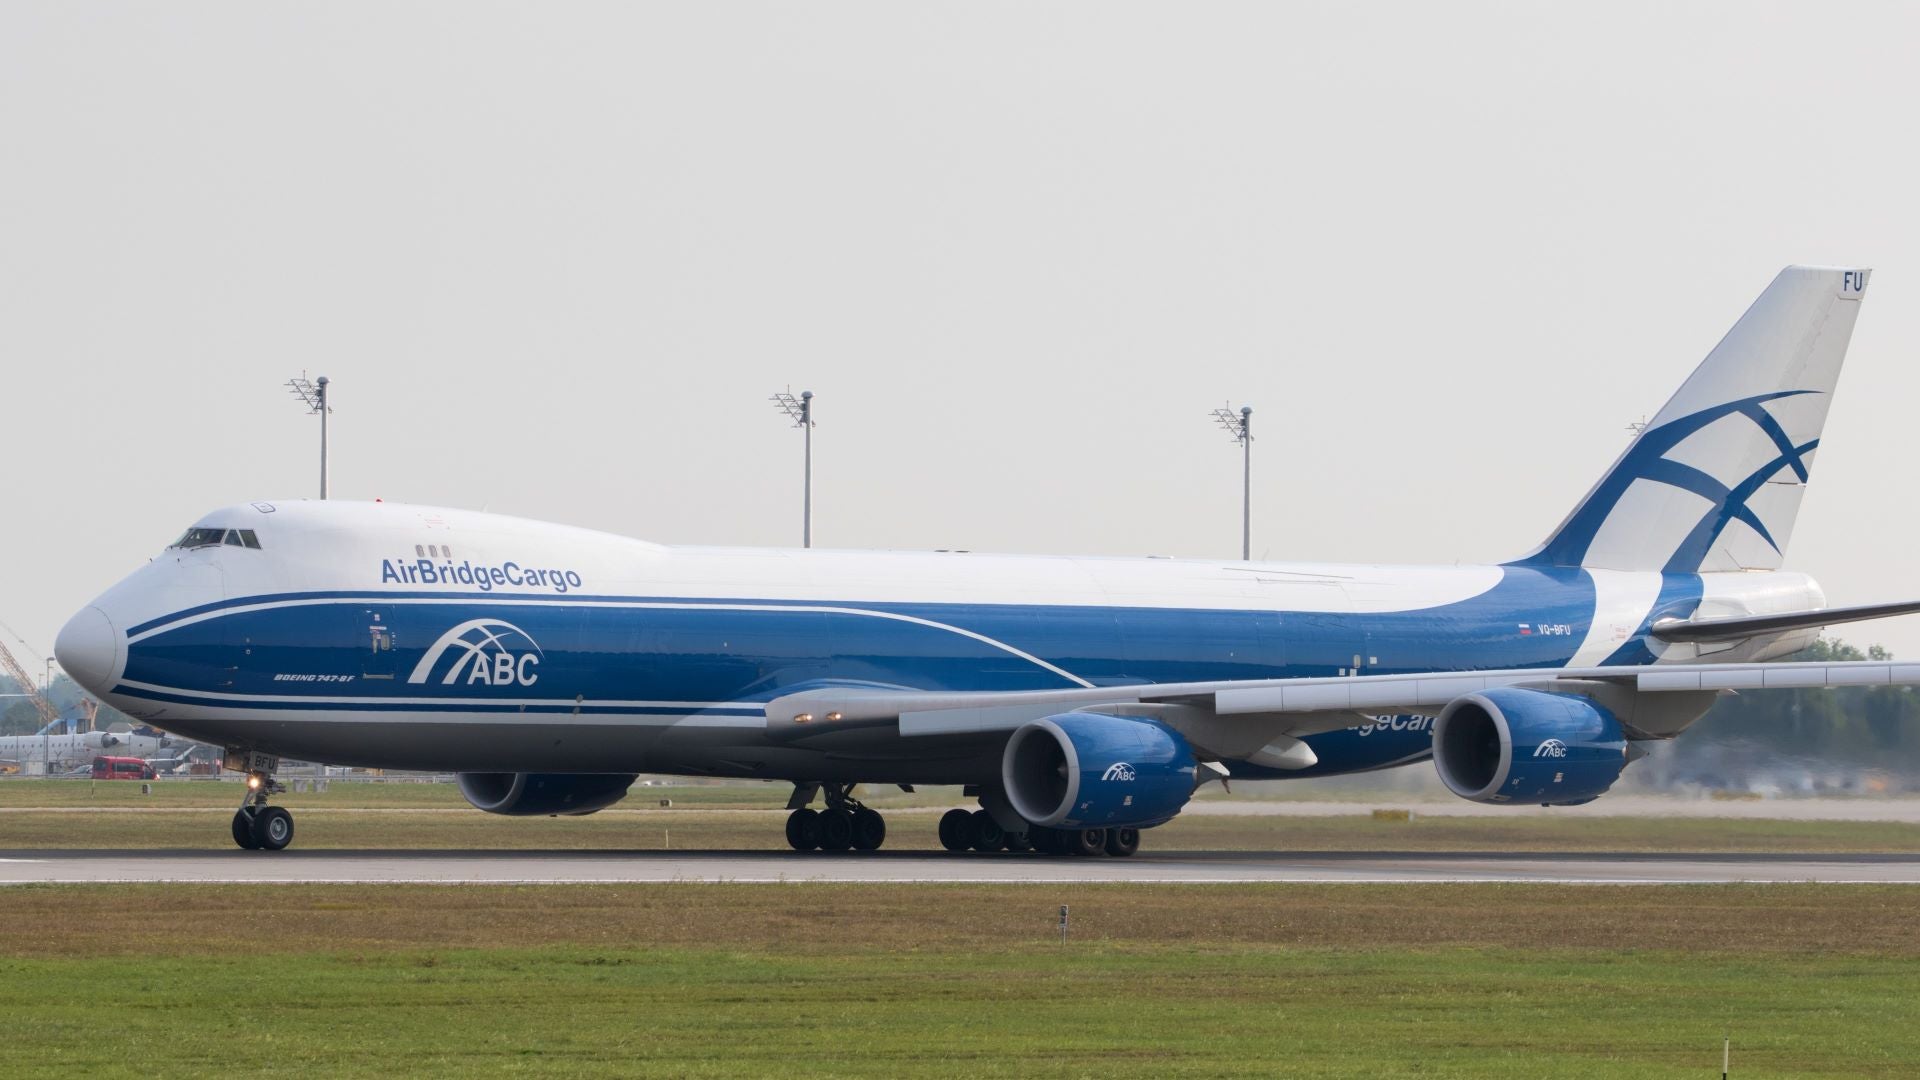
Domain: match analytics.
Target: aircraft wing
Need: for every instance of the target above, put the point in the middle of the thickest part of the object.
(1237, 717)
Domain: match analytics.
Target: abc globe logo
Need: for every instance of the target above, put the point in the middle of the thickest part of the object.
(484, 652)
(1119, 770)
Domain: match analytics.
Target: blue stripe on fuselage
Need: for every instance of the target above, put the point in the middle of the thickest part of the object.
(316, 649)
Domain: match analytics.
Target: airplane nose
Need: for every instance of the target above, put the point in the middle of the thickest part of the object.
(88, 649)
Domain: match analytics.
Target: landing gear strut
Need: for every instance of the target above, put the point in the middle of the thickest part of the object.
(845, 823)
(257, 826)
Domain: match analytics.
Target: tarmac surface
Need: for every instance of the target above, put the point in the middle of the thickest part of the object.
(1195, 867)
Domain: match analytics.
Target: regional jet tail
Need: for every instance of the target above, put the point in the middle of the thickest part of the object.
(1080, 700)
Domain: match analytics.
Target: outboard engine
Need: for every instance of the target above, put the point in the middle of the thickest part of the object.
(1509, 745)
(1090, 770)
(544, 794)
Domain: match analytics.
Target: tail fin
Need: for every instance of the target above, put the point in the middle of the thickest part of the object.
(1715, 480)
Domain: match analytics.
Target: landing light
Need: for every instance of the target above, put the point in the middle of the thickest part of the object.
(253, 783)
(803, 718)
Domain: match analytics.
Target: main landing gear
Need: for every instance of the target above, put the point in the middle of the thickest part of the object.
(976, 830)
(844, 825)
(257, 826)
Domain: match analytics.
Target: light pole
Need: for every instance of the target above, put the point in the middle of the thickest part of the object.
(800, 409)
(46, 740)
(314, 396)
(1240, 426)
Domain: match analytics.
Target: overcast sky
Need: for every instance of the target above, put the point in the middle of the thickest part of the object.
(555, 257)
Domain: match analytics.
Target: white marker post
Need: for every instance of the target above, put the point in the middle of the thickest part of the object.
(1063, 924)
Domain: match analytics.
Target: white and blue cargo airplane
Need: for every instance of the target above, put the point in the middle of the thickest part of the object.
(1081, 700)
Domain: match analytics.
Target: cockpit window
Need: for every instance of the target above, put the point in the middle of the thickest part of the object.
(199, 538)
(194, 538)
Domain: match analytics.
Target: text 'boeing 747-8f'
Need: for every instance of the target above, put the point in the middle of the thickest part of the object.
(1082, 700)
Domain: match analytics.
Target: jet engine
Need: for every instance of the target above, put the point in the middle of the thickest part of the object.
(549, 794)
(1087, 770)
(1509, 745)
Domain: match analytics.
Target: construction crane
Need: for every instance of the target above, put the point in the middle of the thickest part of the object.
(48, 714)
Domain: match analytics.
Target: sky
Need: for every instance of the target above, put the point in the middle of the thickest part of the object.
(555, 257)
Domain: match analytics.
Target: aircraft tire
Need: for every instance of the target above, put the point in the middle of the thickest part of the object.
(869, 830)
(987, 833)
(243, 830)
(1020, 841)
(272, 828)
(803, 829)
(836, 830)
(1123, 842)
(956, 830)
(1087, 842)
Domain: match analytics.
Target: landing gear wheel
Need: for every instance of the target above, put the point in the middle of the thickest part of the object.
(243, 830)
(956, 830)
(272, 828)
(803, 830)
(869, 830)
(987, 833)
(1045, 841)
(1123, 842)
(1087, 842)
(1020, 841)
(836, 830)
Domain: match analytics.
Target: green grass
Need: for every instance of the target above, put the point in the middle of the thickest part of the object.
(176, 794)
(1303, 981)
(323, 824)
(1072, 1011)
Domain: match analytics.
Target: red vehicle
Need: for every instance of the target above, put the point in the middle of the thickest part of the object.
(121, 768)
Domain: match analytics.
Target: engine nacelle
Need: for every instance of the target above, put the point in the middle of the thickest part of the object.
(544, 794)
(1509, 745)
(1082, 770)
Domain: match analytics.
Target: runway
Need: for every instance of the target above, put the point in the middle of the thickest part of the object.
(1192, 867)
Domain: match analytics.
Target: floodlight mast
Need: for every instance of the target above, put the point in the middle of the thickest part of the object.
(1240, 426)
(800, 409)
(314, 396)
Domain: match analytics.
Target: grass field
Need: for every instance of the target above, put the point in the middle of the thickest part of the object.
(747, 816)
(938, 980)
(698, 980)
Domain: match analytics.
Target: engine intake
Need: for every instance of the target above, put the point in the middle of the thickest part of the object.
(1509, 745)
(1081, 770)
(544, 794)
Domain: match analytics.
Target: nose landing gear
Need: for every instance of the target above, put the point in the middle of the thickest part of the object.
(257, 826)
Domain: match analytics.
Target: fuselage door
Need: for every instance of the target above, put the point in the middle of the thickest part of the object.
(375, 642)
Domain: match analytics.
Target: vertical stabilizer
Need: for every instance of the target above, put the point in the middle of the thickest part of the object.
(1715, 480)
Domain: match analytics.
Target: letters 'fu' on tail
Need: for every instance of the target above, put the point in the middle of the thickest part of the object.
(1715, 480)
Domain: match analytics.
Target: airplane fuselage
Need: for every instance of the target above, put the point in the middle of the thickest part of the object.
(406, 637)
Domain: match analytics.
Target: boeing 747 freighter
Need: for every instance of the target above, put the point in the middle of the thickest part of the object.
(1080, 700)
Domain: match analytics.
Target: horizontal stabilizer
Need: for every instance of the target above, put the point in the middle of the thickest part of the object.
(1745, 626)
